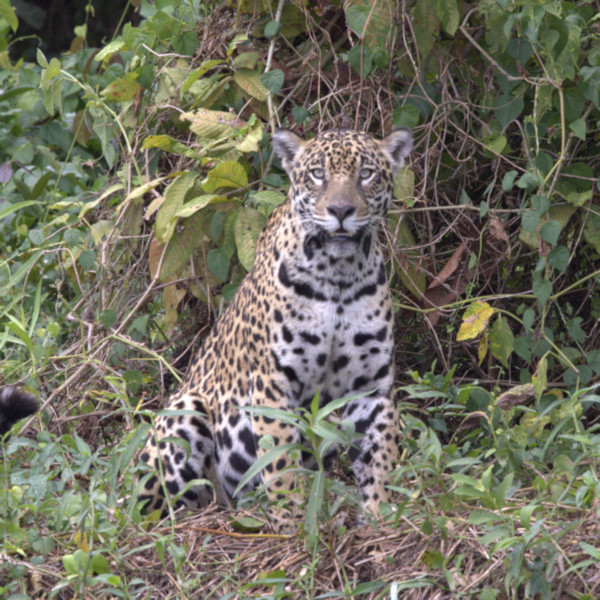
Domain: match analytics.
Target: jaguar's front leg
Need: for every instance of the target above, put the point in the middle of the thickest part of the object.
(373, 457)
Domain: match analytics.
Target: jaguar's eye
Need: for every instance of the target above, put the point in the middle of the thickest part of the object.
(317, 173)
(365, 173)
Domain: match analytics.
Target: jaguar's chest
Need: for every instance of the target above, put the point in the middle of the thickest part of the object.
(328, 331)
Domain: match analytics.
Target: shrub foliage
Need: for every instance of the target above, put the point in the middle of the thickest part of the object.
(135, 178)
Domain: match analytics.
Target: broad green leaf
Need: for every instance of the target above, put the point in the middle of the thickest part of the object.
(217, 260)
(356, 17)
(373, 22)
(272, 28)
(448, 15)
(406, 116)
(197, 203)
(482, 348)
(8, 12)
(229, 174)
(250, 82)
(508, 180)
(508, 108)
(579, 128)
(542, 290)
(560, 212)
(475, 320)
(248, 225)
(360, 60)
(300, 114)
(591, 231)
(550, 231)
(501, 340)
(273, 80)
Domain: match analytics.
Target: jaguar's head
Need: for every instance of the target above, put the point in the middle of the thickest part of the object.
(342, 180)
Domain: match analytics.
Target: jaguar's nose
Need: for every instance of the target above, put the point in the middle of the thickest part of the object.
(340, 211)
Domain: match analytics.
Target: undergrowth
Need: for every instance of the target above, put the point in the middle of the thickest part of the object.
(134, 180)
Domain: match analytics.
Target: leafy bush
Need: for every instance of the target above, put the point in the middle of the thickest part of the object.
(134, 181)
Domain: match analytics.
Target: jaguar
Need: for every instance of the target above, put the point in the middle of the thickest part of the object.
(313, 315)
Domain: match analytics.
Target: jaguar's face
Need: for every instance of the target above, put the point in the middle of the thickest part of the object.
(342, 180)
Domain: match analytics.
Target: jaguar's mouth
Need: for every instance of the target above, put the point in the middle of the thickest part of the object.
(341, 234)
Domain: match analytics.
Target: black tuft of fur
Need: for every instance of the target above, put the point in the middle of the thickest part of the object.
(15, 404)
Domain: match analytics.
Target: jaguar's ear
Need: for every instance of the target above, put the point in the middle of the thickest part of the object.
(397, 145)
(287, 146)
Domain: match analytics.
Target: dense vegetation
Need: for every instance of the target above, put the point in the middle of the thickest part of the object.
(135, 177)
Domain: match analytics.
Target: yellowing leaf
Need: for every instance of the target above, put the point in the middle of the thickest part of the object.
(81, 540)
(213, 124)
(248, 225)
(169, 144)
(483, 346)
(404, 186)
(122, 89)
(250, 83)
(174, 200)
(475, 320)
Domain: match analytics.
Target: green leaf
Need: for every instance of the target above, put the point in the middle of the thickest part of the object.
(373, 22)
(273, 80)
(8, 12)
(272, 28)
(578, 128)
(447, 13)
(542, 290)
(591, 231)
(300, 114)
(87, 260)
(217, 260)
(356, 18)
(228, 174)
(406, 116)
(508, 108)
(248, 225)
(501, 340)
(197, 203)
(362, 67)
(550, 232)
(528, 181)
(508, 180)
(315, 501)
